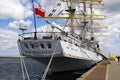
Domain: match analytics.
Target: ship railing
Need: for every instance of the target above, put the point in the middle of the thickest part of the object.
(50, 36)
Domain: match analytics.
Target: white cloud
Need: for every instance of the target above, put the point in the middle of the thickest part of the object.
(113, 25)
(14, 24)
(49, 5)
(112, 6)
(20, 24)
(8, 39)
(17, 9)
(52, 28)
(45, 28)
(111, 43)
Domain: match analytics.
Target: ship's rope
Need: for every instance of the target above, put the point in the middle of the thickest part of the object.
(23, 66)
(54, 10)
(23, 74)
(28, 77)
(50, 61)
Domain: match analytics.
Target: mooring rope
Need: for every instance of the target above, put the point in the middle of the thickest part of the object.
(24, 69)
(48, 66)
(23, 74)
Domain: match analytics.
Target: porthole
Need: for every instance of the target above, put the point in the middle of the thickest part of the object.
(49, 45)
(32, 46)
(26, 46)
(42, 46)
(36, 45)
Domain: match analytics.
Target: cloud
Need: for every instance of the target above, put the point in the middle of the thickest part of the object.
(52, 28)
(16, 9)
(49, 5)
(8, 43)
(20, 24)
(44, 28)
(112, 6)
(8, 39)
(111, 42)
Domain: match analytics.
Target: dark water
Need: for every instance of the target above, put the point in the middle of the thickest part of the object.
(10, 69)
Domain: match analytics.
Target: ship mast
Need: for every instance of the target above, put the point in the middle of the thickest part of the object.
(85, 17)
(71, 11)
(85, 21)
(91, 10)
(71, 17)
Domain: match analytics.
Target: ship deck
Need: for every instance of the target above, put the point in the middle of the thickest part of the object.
(103, 71)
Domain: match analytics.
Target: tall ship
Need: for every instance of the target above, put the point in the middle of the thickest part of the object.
(66, 50)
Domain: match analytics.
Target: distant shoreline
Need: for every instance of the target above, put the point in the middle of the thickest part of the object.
(12, 56)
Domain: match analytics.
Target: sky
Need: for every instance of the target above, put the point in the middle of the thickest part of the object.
(15, 12)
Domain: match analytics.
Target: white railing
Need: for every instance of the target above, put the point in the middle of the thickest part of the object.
(50, 35)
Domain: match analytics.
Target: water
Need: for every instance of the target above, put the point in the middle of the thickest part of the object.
(10, 69)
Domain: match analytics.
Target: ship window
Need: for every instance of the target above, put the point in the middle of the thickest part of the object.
(42, 46)
(26, 46)
(36, 45)
(49, 45)
(32, 45)
(76, 44)
(65, 40)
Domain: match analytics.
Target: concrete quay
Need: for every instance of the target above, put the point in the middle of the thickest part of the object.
(104, 70)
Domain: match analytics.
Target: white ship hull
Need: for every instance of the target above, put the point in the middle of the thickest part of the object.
(67, 56)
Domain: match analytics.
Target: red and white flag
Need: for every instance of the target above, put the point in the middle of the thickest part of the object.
(39, 11)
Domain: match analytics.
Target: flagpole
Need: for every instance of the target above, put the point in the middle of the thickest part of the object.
(35, 33)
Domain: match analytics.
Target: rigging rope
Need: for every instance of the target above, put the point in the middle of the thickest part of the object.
(48, 66)
(55, 9)
(23, 66)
